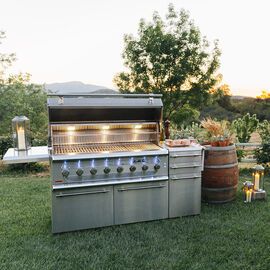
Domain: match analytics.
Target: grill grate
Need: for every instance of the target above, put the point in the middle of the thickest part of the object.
(104, 148)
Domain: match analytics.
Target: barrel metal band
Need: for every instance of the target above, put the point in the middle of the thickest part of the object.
(221, 166)
(220, 189)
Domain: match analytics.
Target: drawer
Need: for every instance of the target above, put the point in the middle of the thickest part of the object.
(185, 196)
(185, 168)
(140, 202)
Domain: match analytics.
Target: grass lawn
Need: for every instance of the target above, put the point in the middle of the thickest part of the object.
(230, 236)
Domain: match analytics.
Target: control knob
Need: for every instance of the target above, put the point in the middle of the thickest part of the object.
(107, 170)
(79, 171)
(132, 168)
(119, 169)
(144, 167)
(65, 173)
(157, 167)
(93, 170)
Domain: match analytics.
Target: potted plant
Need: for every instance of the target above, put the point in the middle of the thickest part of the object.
(217, 134)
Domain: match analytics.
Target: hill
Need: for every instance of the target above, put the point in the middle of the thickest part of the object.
(78, 88)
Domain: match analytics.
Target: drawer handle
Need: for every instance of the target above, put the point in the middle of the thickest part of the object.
(185, 166)
(187, 177)
(195, 155)
(82, 193)
(139, 188)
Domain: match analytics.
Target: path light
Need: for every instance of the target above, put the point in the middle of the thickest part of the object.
(258, 182)
(21, 133)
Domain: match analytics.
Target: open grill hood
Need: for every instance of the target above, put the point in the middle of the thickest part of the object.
(104, 108)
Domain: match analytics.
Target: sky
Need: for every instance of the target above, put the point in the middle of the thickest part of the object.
(82, 40)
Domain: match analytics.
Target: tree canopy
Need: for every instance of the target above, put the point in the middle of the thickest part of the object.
(170, 57)
(20, 97)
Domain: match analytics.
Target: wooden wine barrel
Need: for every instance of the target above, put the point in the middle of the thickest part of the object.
(220, 175)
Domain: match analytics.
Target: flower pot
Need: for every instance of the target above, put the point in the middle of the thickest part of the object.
(214, 144)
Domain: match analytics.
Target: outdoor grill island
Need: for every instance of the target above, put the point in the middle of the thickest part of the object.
(109, 167)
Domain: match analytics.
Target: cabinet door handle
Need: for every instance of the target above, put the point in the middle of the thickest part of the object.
(139, 188)
(82, 193)
(203, 153)
(194, 155)
(184, 166)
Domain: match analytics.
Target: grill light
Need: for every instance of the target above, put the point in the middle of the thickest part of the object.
(119, 162)
(70, 128)
(93, 163)
(131, 161)
(138, 126)
(105, 127)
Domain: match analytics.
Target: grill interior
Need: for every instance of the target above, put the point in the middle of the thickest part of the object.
(106, 148)
(104, 138)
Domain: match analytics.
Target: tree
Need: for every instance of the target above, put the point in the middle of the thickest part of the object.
(172, 58)
(5, 59)
(264, 95)
(20, 97)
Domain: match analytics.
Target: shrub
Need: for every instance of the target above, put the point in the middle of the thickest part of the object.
(245, 126)
(264, 131)
(5, 143)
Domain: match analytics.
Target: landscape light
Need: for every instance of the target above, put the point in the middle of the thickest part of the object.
(21, 133)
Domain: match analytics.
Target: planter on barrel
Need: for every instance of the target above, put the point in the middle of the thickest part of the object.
(220, 175)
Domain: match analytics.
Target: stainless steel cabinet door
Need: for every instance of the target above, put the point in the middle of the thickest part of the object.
(140, 202)
(82, 208)
(185, 196)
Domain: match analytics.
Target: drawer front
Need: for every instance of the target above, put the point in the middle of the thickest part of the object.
(82, 208)
(185, 196)
(185, 168)
(141, 202)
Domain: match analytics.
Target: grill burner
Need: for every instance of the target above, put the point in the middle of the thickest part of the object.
(105, 148)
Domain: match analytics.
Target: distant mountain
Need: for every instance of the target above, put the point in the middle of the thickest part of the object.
(78, 88)
(240, 97)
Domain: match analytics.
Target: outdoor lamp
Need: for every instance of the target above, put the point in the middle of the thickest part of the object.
(21, 133)
(247, 191)
(258, 177)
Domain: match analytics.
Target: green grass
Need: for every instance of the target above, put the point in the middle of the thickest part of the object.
(230, 236)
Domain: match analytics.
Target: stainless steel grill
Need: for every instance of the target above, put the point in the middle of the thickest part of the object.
(99, 144)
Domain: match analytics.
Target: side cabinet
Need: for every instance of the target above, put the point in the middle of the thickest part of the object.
(82, 208)
(185, 183)
(140, 202)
